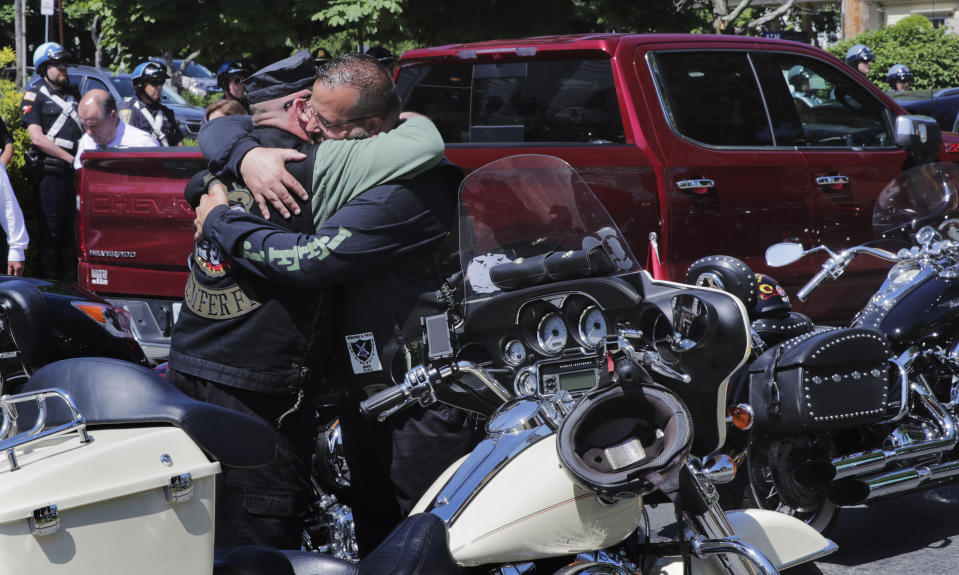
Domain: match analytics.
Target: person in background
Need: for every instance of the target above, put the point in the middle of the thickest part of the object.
(49, 112)
(103, 128)
(899, 77)
(13, 226)
(6, 144)
(230, 79)
(143, 110)
(860, 57)
(223, 107)
(321, 56)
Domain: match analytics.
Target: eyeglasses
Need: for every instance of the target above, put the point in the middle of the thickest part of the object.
(327, 124)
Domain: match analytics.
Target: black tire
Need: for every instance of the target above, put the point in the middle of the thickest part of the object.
(728, 274)
(773, 487)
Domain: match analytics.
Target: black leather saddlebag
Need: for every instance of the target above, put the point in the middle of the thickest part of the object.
(825, 379)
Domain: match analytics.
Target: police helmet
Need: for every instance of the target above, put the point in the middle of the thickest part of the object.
(859, 53)
(798, 77)
(899, 73)
(230, 69)
(48, 53)
(147, 72)
(617, 437)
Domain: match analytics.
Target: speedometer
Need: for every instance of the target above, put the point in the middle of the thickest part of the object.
(551, 334)
(592, 326)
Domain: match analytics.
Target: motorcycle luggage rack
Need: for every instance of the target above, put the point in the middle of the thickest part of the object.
(39, 430)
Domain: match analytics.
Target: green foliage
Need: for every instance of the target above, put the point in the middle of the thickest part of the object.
(931, 53)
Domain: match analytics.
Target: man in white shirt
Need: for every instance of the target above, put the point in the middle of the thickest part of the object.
(102, 127)
(11, 219)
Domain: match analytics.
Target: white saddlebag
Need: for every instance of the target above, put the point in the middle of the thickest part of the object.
(116, 510)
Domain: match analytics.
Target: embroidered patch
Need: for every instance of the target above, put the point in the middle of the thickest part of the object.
(29, 96)
(223, 303)
(210, 259)
(363, 356)
(26, 109)
(125, 115)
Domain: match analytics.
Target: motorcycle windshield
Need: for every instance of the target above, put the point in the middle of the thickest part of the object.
(526, 206)
(919, 196)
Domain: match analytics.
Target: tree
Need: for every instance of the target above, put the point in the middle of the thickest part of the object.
(742, 18)
(96, 17)
(930, 53)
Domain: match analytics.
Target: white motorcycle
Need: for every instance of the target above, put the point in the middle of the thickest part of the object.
(593, 377)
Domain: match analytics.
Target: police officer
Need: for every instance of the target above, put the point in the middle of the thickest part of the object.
(230, 79)
(381, 253)
(860, 57)
(143, 110)
(49, 111)
(899, 77)
(248, 343)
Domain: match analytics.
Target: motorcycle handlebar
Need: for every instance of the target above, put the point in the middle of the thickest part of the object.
(387, 401)
(817, 279)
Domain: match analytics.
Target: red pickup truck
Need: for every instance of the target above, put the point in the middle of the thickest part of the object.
(709, 141)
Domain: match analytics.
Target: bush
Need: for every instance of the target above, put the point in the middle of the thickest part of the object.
(930, 53)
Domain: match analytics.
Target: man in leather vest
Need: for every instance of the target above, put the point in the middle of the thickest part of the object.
(49, 112)
(248, 343)
(144, 110)
(381, 253)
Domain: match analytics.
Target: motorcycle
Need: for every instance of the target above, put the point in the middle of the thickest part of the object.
(816, 437)
(592, 376)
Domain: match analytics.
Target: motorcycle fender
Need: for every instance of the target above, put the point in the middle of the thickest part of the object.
(783, 539)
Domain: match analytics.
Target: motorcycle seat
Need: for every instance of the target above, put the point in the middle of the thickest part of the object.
(417, 546)
(112, 392)
(29, 318)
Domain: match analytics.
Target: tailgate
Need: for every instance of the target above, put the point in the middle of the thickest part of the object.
(134, 225)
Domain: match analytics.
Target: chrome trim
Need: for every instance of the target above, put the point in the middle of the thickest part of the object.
(45, 521)
(180, 488)
(742, 550)
(39, 430)
(479, 468)
(832, 180)
(698, 183)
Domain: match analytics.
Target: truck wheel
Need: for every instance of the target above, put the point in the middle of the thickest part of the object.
(726, 273)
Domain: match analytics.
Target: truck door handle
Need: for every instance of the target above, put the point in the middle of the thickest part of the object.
(699, 186)
(834, 181)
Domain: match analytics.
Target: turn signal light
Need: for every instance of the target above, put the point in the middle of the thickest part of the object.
(741, 416)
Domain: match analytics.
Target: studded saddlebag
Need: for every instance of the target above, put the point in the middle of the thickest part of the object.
(825, 379)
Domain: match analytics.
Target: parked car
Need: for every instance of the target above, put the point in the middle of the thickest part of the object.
(87, 78)
(196, 78)
(942, 105)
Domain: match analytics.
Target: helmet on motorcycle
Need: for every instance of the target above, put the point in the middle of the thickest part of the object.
(771, 298)
(859, 53)
(148, 72)
(231, 69)
(49, 53)
(725, 273)
(899, 73)
(617, 437)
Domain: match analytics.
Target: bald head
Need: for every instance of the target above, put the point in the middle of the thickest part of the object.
(98, 114)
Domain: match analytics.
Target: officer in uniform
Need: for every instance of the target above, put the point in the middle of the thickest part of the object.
(860, 57)
(230, 79)
(49, 112)
(143, 110)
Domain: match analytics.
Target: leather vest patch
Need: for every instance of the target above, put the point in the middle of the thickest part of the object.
(225, 303)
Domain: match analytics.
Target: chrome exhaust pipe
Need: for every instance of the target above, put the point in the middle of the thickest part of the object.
(859, 464)
(862, 489)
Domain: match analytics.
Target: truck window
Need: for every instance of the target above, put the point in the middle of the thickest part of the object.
(712, 97)
(833, 109)
(549, 101)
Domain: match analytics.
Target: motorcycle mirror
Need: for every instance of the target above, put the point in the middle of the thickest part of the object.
(779, 255)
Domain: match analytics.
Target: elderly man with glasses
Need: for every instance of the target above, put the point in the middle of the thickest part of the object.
(250, 344)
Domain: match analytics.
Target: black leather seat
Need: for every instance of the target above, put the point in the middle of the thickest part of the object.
(418, 546)
(111, 392)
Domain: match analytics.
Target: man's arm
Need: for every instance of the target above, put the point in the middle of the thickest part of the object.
(13, 226)
(218, 140)
(46, 145)
(364, 236)
(6, 144)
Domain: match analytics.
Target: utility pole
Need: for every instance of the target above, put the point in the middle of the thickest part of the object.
(20, 43)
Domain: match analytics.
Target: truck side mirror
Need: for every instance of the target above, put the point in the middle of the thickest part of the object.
(920, 136)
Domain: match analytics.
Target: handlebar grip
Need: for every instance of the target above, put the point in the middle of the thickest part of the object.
(385, 401)
(812, 284)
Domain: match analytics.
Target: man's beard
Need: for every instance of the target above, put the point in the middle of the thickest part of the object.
(61, 81)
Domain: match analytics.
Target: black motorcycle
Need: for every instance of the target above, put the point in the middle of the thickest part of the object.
(830, 417)
(42, 321)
